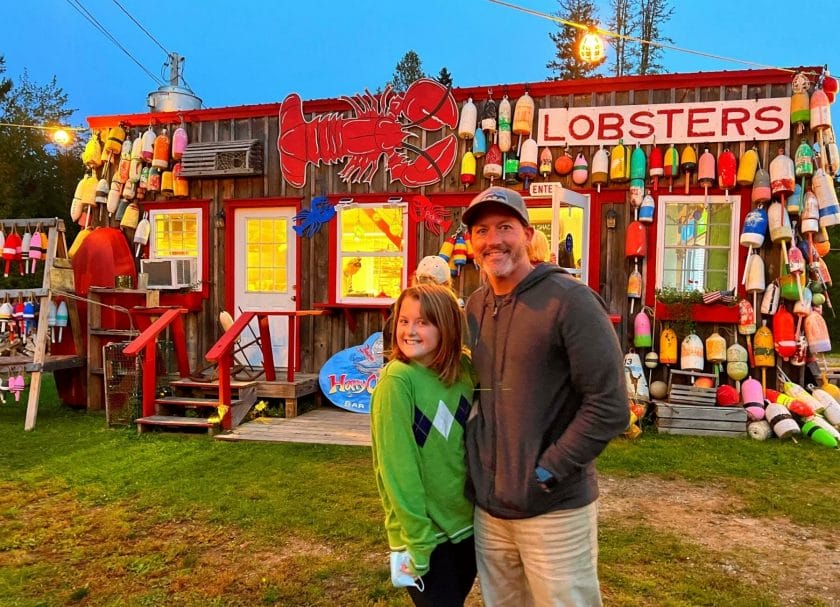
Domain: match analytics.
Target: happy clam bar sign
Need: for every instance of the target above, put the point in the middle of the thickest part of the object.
(741, 120)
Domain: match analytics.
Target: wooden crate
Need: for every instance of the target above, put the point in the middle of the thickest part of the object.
(700, 420)
(688, 394)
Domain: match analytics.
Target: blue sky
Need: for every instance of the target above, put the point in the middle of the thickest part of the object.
(257, 51)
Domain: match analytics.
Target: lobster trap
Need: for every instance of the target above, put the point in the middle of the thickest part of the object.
(122, 385)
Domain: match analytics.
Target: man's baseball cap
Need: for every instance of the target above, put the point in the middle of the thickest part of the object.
(495, 195)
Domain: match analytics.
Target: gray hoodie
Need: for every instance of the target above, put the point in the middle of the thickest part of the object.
(551, 393)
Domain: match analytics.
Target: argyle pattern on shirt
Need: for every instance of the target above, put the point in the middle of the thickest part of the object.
(442, 421)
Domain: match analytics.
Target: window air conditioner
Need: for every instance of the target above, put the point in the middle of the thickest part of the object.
(170, 273)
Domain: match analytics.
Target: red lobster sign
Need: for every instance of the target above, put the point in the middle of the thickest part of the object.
(379, 128)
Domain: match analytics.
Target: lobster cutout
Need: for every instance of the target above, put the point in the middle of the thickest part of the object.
(380, 125)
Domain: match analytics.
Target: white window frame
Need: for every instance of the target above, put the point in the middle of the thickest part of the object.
(342, 255)
(733, 201)
(199, 222)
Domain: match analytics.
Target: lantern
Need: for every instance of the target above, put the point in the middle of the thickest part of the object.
(591, 48)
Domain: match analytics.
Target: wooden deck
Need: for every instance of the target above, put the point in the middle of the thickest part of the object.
(326, 425)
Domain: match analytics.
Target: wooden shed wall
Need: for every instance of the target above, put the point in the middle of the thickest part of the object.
(323, 336)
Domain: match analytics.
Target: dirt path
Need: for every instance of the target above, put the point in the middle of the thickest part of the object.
(777, 552)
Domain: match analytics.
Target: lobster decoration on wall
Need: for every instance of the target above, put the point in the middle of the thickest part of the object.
(380, 127)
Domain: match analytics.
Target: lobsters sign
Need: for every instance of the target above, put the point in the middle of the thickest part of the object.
(741, 120)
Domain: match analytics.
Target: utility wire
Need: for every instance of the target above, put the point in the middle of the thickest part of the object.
(76, 4)
(671, 47)
(140, 25)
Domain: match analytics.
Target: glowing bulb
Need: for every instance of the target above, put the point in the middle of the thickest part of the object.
(61, 137)
(591, 48)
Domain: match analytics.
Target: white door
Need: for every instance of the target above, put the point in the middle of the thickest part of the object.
(578, 206)
(264, 275)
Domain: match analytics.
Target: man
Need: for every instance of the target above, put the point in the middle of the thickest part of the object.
(551, 395)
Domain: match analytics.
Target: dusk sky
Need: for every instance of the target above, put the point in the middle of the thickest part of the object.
(249, 51)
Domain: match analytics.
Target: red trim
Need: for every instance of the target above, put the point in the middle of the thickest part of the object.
(702, 313)
(229, 207)
(535, 89)
(187, 205)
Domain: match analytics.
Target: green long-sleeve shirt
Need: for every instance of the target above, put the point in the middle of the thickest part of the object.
(417, 427)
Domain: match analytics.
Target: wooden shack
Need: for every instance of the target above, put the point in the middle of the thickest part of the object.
(346, 182)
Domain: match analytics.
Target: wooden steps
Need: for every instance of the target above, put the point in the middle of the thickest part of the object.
(200, 398)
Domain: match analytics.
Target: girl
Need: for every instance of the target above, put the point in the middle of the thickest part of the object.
(418, 412)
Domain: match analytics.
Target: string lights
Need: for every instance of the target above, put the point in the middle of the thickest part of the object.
(60, 135)
(593, 31)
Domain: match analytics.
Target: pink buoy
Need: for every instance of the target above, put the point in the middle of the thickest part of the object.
(752, 395)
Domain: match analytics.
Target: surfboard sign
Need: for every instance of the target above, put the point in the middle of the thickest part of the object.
(348, 377)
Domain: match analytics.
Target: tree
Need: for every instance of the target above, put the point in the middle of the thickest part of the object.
(565, 64)
(37, 179)
(408, 70)
(444, 77)
(622, 23)
(651, 15)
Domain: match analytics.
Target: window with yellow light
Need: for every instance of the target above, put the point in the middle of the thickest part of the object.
(570, 234)
(267, 246)
(176, 235)
(371, 252)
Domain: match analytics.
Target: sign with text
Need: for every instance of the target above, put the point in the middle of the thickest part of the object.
(706, 122)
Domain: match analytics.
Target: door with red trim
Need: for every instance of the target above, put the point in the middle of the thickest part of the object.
(264, 275)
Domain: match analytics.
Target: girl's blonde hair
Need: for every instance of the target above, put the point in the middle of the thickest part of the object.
(439, 307)
(538, 248)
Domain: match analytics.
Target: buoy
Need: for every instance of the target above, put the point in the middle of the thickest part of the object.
(130, 217)
(180, 140)
(647, 210)
(794, 202)
(564, 164)
(180, 184)
(600, 168)
(580, 170)
(656, 164)
(752, 395)
(166, 183)
(784, 335)
(759, 430)
(467, 169)
(635, 241)
(619, 163)
(764, 354)
(528, 161)
(113, 199)
(504, 124)
(820, 111)
(800, 104)
(668, 347)
(716, 351)
(745, 175)
(770, 300)
(706, 171)
(727, 171)
(818, 434)
(141, 234)
(827, 199)
(761, 192)
(493, 163)
(114, 141)
(816, 332)
(782, 175)
(746, 325)
(469, 118)
(691, 353)
(489, 113)
(671, 165)
(642, 337)
(781, 421)
(523, 115)
(658, 390)
(688, 164)
(546, 162)
(479, 144)
(754, 229)
(147, 148)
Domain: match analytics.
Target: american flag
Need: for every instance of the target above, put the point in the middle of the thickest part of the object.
(724, 297)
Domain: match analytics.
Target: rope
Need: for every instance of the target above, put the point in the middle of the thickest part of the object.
(71, 295)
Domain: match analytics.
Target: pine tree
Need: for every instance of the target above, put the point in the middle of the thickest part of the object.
(408, 70)
(652, 15)
(444, 77)
(566, 65)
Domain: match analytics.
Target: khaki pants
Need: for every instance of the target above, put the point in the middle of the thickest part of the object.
(549, 560)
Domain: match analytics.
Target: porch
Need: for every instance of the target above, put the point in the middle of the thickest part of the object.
(326, 425)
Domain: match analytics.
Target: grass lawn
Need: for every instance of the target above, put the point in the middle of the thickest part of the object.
(98, 516)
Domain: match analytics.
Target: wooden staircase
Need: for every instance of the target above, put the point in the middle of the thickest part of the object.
(194, 406)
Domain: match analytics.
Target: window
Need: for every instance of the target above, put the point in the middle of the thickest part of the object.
(267, 249)
(569, 233)
(694, 240)
(372, 255)
(176, 234)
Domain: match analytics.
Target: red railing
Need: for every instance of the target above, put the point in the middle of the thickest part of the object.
(221, 352)
(146, 342)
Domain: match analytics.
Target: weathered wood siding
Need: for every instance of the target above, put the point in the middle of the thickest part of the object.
(323, 336)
